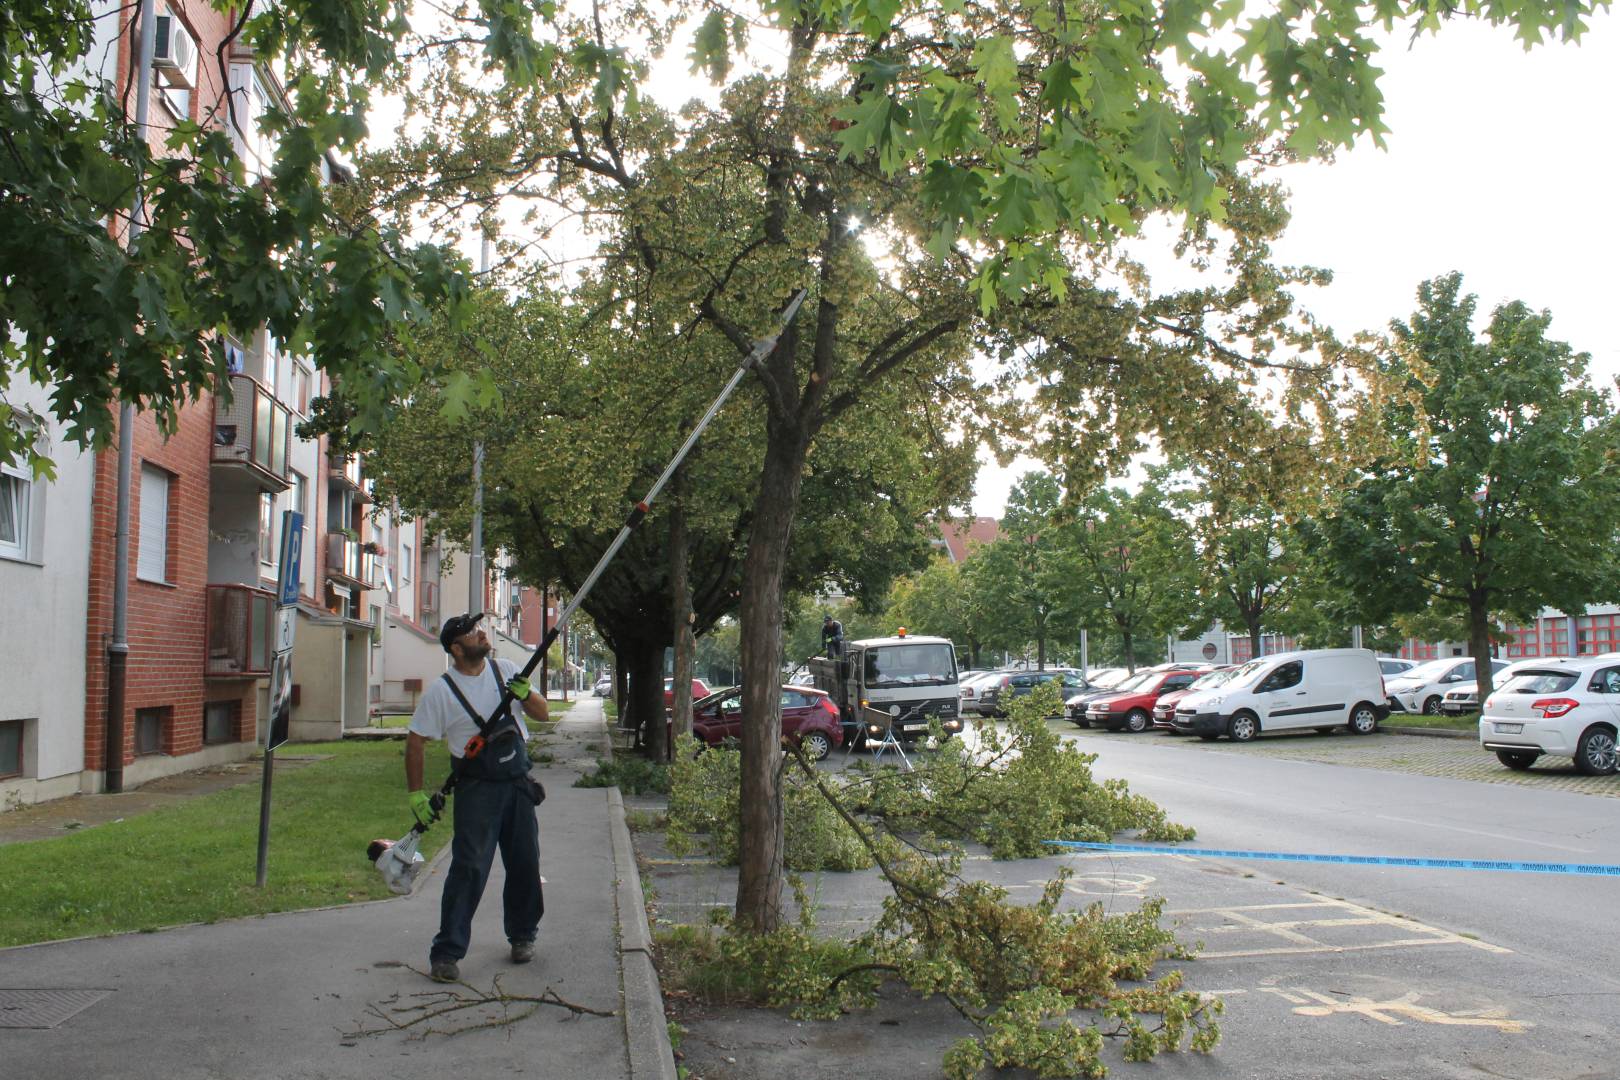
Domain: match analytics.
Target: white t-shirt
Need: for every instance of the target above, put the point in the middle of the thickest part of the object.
(440, 716)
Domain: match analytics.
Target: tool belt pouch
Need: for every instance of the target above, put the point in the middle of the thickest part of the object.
(537, 790)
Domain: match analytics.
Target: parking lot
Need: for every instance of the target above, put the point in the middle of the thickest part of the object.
(1453, 758)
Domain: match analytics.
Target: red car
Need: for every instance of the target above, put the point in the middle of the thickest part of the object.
(1164, 711)
(700, 689)
(807, 714)
(1131, 707)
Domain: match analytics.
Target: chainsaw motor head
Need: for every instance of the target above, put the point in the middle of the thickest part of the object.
(398, 861)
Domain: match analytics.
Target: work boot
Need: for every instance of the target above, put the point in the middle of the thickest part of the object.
(445, 971)
(522, 952)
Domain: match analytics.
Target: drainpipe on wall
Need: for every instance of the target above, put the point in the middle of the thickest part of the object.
(118, 647)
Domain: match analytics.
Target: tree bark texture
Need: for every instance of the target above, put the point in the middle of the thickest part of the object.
(1479, 644)
(759, 883)
(685, 644)
(647, 693)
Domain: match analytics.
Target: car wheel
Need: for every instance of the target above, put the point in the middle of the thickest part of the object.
(1137, 721)
(1517, 759)
(1595, 752)
(1243, 727)
(1363, 720)
(1082, 723)
(1432, 707)
(816, 745)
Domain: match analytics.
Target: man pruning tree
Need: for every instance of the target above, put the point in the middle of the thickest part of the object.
(495, 799)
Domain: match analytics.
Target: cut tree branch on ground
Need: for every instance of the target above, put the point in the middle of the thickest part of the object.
(415, 1014)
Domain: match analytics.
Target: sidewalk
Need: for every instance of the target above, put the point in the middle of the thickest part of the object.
(279, 996)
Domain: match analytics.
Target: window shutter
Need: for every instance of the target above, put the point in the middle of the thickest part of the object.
(152, 564)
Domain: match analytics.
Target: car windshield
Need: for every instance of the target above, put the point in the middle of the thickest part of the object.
(1247, 673)
(1541, 682)
(1213, 679)
(1429, 672)
(1137, 681)
(1110, 679)
(717, 695)
(910, 665)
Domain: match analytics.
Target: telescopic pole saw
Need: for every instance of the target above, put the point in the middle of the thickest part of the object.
(762, 348)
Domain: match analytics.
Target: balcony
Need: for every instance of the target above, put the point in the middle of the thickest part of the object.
(345, 473)
(427, 597)
(251, 435)
(241, 626)
(346, 563)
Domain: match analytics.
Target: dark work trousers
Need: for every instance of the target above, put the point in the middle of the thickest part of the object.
(490, 813)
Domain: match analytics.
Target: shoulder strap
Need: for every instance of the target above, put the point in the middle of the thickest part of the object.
(483, 728)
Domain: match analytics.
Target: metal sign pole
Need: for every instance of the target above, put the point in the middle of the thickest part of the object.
(292, 550)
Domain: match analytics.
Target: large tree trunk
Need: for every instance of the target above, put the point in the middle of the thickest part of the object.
(1040, 650)
(1128, 641)
(1253, 620)
(1479, 644)
(759, 878)
(684, 644)
(646, 704)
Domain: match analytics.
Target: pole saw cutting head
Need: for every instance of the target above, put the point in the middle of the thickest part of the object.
(397, 860)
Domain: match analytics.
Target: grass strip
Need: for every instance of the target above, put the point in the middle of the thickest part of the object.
(194, 862)
(1451, 723)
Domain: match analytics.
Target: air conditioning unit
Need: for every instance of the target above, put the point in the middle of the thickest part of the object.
(175, 54)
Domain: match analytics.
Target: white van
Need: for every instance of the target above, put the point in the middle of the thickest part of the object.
(1312, 688)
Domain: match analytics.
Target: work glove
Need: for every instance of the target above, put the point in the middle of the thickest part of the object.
(421, 806)
(519, 687)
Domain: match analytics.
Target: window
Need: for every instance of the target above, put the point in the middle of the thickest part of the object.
(376, 625)
(149, 727)
(405, 566)
(1606, 681)
(219, 722)
(301, 384)
(1286, 676)
(152, 561)
(11, 748)
(267, 529)
(16, 495)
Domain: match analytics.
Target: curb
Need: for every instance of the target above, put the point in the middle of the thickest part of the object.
(645, 1027)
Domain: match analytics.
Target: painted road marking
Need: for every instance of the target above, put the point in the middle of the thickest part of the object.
(1292, 937)
(1308, 1002)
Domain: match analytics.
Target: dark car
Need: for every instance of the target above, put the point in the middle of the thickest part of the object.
(995, 693)
(808, 715)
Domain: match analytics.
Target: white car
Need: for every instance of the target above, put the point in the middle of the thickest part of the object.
(1465, 699)
(1422, 689)
(1394, 665)
(1566, 708)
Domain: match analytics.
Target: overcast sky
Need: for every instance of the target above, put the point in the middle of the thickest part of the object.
(1500, 163)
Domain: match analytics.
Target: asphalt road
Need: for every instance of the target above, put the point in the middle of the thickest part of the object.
(1325, 971)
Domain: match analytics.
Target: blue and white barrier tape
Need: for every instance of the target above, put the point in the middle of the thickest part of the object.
(1584, 869)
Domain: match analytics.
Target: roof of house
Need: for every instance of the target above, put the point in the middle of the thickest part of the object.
(959, 535)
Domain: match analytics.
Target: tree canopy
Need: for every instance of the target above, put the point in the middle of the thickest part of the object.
(1500, 492)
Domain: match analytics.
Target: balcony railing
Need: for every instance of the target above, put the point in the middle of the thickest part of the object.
(345, 472)
(253, 430)
(241, 626)
(346, 563)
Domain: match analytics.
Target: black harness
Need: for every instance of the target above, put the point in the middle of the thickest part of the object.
(504, 751)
